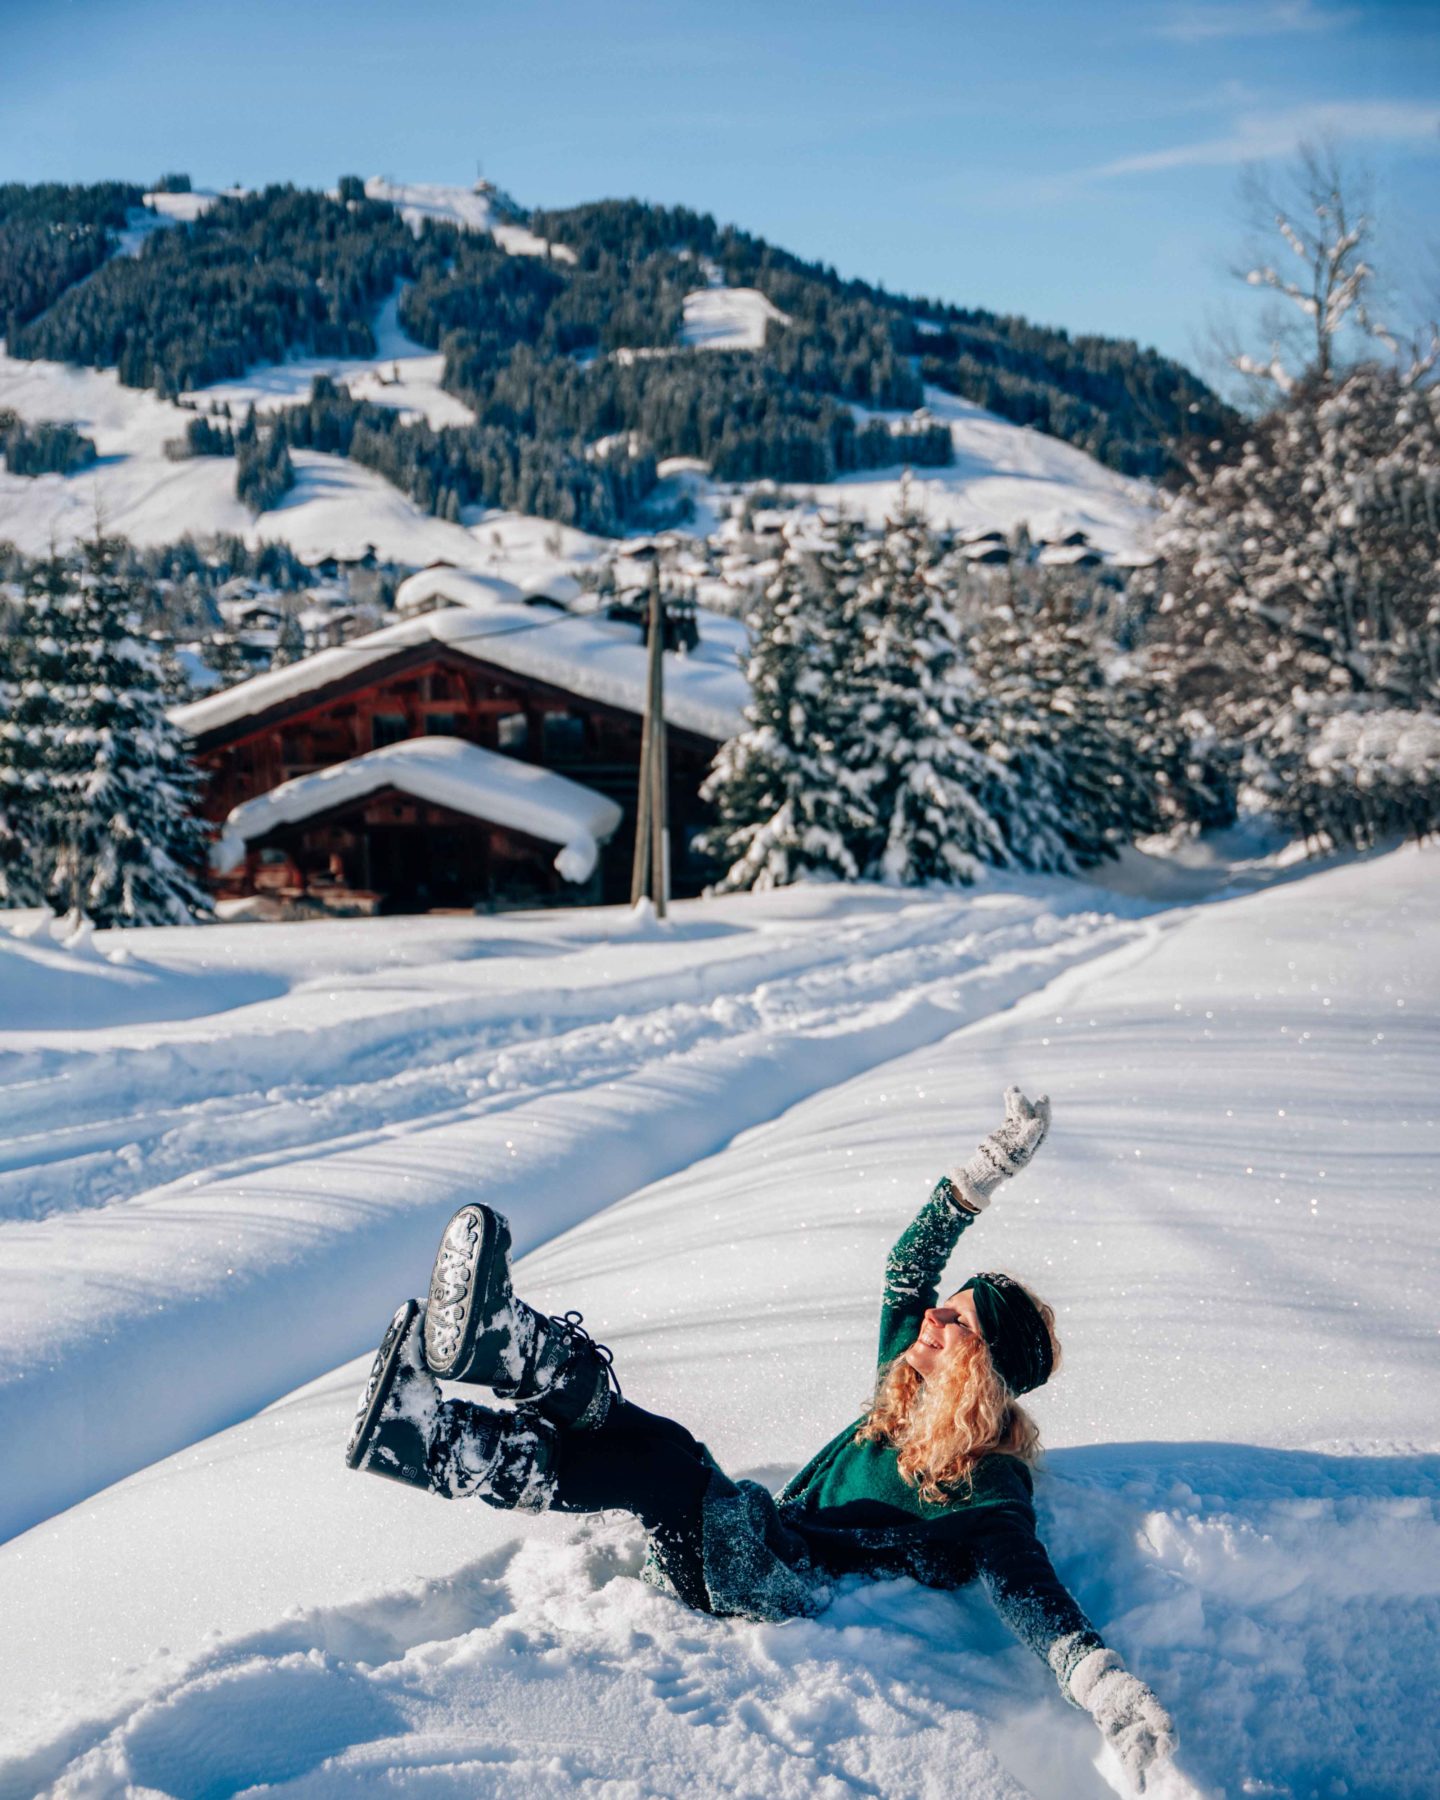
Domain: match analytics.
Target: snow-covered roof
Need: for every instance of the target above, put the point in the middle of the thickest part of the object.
(427, 587)
(587, 655)
(446, 772)
(1068, 556)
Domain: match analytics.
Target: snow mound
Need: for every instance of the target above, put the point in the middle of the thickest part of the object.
(51, 987)
(447, 772)
(726, 318)
(545, 1663)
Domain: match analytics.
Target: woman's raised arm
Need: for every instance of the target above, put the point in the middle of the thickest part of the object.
(915, 1265)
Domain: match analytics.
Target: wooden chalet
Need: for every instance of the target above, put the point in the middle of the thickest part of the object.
(567, 698)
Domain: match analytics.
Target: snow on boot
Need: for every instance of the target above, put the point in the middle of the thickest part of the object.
(477, 1330)
(405, 1431)
(391, 1433)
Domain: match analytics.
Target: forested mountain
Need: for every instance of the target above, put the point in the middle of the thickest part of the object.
(559, 353)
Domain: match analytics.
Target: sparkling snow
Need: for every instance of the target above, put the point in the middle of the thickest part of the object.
(706, 1136)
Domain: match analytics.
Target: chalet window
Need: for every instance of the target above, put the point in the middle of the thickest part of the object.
(512, 732)
(388, 728)
(441, 724)
(564, 737)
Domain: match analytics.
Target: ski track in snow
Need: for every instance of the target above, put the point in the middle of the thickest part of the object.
(172, 1109)
(1271, 1570)
(334, 1183)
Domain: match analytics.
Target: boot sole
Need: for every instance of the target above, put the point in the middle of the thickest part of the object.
(468, 1284)
(382, 1379)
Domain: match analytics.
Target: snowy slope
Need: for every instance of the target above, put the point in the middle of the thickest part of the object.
(726, 318)
(1005, 475)
(478, 208)
(402, 374)
(1234, 1219)
(179, 1188)
(335, 506)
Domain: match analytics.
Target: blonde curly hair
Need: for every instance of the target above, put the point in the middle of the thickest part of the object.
(942, 1427)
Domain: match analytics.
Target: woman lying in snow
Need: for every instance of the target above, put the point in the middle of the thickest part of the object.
(932, 1482)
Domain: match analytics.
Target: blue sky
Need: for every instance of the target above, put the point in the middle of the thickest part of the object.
(1074, 162)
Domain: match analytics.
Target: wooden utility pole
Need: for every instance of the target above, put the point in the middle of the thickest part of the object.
(650, 870)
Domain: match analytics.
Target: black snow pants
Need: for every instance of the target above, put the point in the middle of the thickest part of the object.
(641, 1463)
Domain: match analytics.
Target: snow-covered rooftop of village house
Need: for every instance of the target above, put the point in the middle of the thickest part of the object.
(446, 772)
(422, 591)
(585, 654)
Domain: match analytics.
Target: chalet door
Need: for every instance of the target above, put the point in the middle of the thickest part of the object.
(415, 867)
(398, 871)
(448, 847)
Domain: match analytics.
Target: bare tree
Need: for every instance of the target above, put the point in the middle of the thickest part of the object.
(1320, 211)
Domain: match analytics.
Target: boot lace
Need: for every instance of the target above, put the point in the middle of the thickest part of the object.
(571, 1326)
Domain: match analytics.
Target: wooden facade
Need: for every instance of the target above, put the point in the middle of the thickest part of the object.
(391, 852)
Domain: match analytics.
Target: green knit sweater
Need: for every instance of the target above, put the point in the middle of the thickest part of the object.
(857, 1513)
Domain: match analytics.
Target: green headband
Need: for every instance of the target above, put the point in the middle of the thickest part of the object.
(1014, 1332)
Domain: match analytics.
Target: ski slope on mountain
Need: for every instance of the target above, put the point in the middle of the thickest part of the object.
(401, 374)
(478, 208)
(1003, 474)
(1234, 1219)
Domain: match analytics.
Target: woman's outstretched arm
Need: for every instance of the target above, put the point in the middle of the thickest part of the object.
(915, 1265)
(1017, 1573)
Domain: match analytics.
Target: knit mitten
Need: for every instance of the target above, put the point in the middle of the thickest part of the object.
(1132, 1721)
(1005, 1152)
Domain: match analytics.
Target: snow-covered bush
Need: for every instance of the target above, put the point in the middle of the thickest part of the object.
(1348, 769)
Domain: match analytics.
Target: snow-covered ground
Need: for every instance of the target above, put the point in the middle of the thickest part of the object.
(335, 507)
(1003, 476)
(477, 208)
(726, 318)
(402, 374)
(706, 1136)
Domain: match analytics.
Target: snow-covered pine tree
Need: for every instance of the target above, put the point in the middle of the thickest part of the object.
(21, 883)
(1302, 601)
(1087, 758)
(784, 790)
(929, 787)
(32, 735)
(125, 847)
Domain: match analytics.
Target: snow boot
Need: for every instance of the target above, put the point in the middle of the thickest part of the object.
(477, 1330)
(405, 1431)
